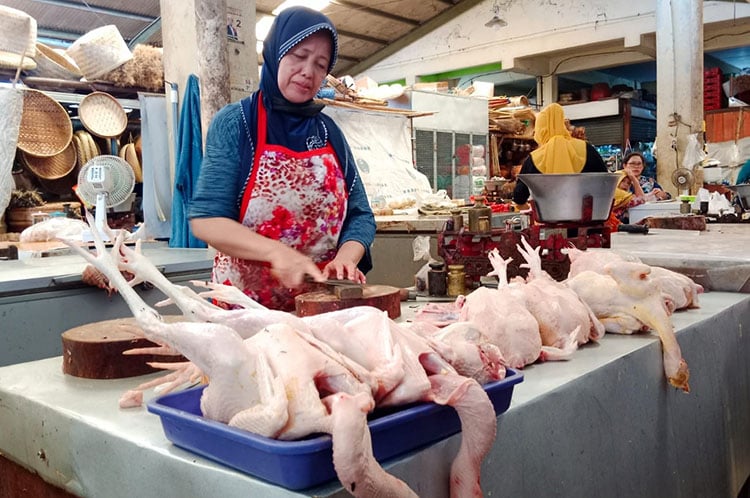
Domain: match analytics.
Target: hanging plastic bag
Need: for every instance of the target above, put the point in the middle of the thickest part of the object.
(694, 153)
(718, 204)
(421, 248)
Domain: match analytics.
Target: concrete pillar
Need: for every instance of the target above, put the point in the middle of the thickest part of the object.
(546, 90)
(213, 63)
(241, 53)
(679, 85)
(195, 38)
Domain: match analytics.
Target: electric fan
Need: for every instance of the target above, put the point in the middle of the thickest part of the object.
(683, 179)
(104, 182)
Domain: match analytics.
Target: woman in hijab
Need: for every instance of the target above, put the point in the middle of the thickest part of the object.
(279, 195)
(558, 152)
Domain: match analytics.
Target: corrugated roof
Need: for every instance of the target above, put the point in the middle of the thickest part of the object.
(369, 29)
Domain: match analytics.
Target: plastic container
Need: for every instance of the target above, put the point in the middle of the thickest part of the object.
(661, 208)
(309, 462)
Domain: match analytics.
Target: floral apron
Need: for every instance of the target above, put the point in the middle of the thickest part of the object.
(298, 198)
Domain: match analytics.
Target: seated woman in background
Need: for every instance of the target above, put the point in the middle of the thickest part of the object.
(633, 165)
(624, 199)
(558, 151)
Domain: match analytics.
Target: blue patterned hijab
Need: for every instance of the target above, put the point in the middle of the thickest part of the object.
(289, 124)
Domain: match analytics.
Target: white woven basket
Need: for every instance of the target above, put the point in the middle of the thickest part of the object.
(17, 38)
(51, 64)
(99, 51)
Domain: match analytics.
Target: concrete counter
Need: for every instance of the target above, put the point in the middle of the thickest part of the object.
(604, 423)
(41, 297)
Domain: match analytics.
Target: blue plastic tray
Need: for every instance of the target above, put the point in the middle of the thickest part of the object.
(308, 462)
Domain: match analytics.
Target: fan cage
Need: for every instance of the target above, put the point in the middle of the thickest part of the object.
(121, 174)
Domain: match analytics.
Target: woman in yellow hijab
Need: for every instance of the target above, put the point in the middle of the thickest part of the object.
(558, 152)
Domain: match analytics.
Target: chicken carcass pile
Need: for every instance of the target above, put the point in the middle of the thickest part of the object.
(541, 319)
(285, 377)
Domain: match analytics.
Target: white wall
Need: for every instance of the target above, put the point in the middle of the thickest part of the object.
(561, 29)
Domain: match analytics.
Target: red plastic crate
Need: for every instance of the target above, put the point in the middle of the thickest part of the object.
(711, 104)
(712, 71)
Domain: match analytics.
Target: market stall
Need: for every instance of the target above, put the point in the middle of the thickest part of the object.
(603, 423)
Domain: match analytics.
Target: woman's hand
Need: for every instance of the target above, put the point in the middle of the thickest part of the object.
(290, 267)
(344, 265)
(660, 194)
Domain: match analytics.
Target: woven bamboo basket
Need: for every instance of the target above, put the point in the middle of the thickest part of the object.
(46, 129)
(102, 115)
(52, 167)
(18, 31)
(99, 51)
(51, 64)
(62, 187)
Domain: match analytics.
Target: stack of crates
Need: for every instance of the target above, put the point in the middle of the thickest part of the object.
(713, 95)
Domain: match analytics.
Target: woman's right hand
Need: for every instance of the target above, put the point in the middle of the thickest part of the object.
(290, 267)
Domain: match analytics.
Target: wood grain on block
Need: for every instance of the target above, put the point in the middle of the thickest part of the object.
(94, 350)
(383, 297)
(686, 222)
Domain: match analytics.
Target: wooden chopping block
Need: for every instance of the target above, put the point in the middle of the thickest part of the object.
(383, 297)
(685, 222)
(94, 350)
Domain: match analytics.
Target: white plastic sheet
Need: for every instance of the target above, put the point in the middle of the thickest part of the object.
(381, 144)
(11, 102)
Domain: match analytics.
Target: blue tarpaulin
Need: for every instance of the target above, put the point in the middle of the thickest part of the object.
(189, 156)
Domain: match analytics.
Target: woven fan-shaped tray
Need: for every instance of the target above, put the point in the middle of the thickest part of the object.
(102, 115)
(46, 129)
(50, 64)
(52, 167)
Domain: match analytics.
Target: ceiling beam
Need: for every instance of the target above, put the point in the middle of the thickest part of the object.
(54, 34)
(348, 34)
(376, 12)
(145, 35)
(357, 36)
(447, 15)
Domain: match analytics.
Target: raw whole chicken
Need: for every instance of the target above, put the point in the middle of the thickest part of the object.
(427, 376)
(466, 348)
(506, 322)
(285, 377)
(627, 300)
(680, 292)
(556, 307)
